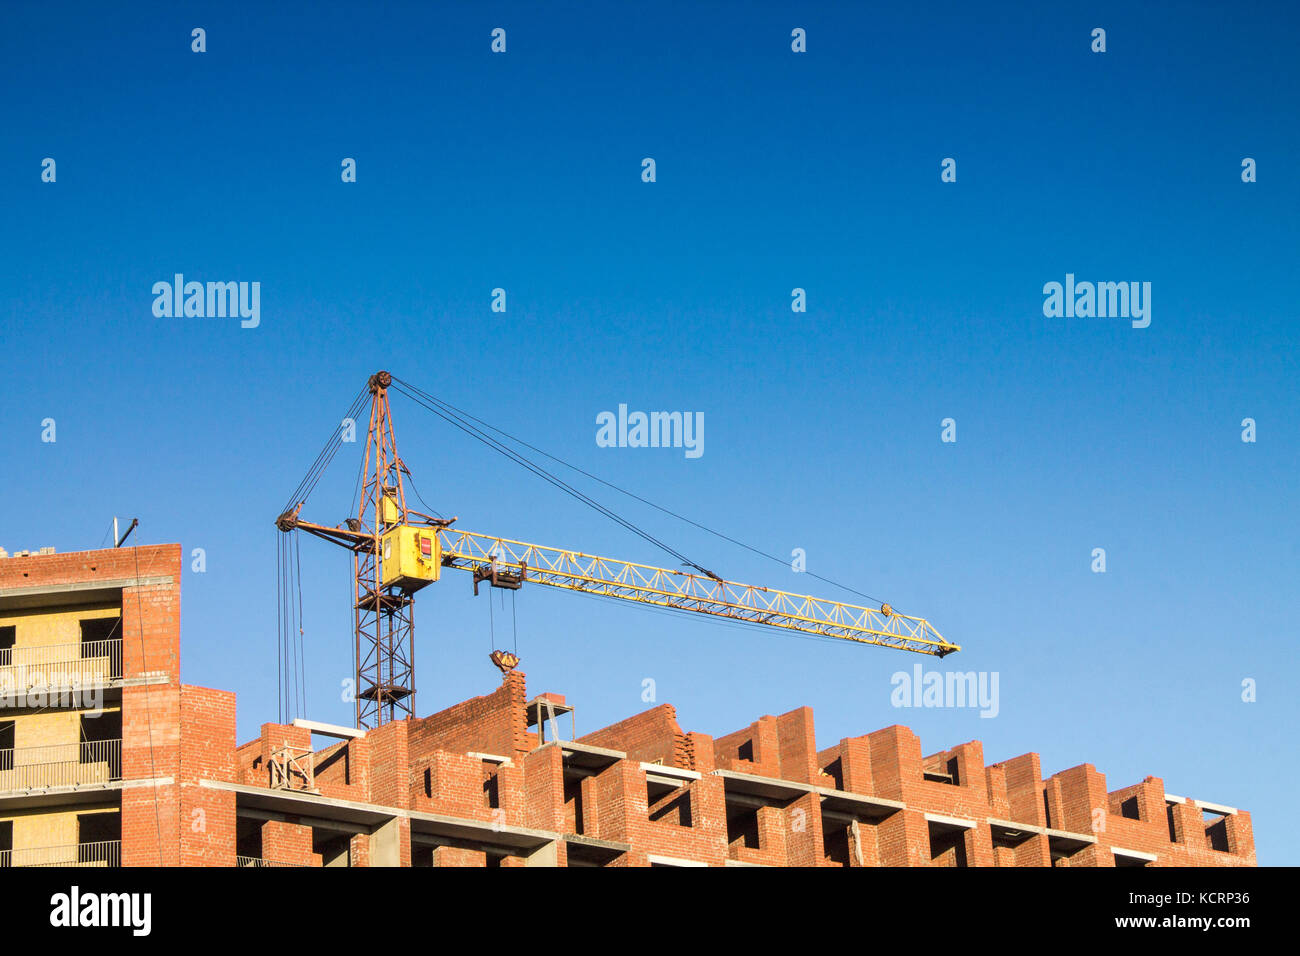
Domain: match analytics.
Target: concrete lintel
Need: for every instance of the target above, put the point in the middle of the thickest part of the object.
(77, 592)
(769, 787)
(948, 821)
(1215, 807)
(1069, 837)
(329, 730)
(299, 803)
(654, 858)
(500, 835)
(858, 804)
(1134, 854)
(671, 773)
(585, 756)
(747, 787)
(1012, 825)
(87, 793)
(1171, 798)
(299, 819)
(491, 758)
(147, 679)
(613, 845)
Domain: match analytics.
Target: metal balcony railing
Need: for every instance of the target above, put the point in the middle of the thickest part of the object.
(53, 666)
(258, 861)
(61, 765)
(104, 853)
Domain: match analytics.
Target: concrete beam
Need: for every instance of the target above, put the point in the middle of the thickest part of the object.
(79, 592)
(960, 823)
(1134, 854)
(329, 730)
(301, 804)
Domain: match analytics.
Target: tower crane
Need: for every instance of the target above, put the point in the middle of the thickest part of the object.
(396, 551)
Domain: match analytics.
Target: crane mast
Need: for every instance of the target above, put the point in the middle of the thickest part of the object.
(396, 551)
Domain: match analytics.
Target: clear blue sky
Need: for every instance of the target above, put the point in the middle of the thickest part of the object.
(775, 171)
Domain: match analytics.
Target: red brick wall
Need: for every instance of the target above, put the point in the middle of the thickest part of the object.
(495, 724)
(207, 818)
(174, 737)
(648, 736)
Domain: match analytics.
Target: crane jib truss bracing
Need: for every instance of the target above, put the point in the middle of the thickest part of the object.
(645, 584)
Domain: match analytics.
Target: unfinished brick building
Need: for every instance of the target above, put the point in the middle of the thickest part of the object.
(490, 781)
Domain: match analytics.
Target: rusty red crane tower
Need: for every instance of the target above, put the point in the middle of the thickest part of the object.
(383, 605)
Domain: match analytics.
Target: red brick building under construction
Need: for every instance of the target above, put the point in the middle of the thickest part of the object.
(150, 772)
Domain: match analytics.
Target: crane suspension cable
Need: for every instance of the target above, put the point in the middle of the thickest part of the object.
(326, 455)
(453, 410)
(542, 473)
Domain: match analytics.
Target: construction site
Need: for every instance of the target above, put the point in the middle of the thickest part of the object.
(107, 759)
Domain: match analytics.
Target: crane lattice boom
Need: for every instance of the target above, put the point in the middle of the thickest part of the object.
(517, 561)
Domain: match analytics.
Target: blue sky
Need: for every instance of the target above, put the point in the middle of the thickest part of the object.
(775, 170)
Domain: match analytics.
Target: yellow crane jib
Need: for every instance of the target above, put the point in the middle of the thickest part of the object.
(508, 563)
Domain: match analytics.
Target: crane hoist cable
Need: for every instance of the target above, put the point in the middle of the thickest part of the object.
(291, 656)
(326, 455)
(291, 663)
(453, 410)
(547, 476)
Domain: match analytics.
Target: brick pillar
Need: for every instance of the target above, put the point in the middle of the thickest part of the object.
(855, 765)
(1189, 830)
(797, 746)
(774, 834)
(805, 846)
(150, 773)
(1024, 778)
(995, 785)
(207, 836)
(621, 800)
(287, 843)
(151, 712)
(544, 789)
(454, 856)
(895, 762)
(903, 839)
(1241, 836)
(978, 842)
(1075, 797)
(390, 786)
(702, 753)
(359, 850)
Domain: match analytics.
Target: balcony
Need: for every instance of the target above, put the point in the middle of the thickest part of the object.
(62, 765)
(53, 667)
(107, 853)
